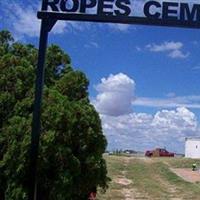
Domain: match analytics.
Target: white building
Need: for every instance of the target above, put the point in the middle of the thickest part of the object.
(192, 147)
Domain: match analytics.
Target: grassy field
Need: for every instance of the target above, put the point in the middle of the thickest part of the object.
(143, 178)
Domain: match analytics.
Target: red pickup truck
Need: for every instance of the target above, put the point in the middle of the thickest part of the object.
(159, 153)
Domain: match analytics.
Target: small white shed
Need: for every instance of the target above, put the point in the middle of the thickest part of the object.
(192, 147)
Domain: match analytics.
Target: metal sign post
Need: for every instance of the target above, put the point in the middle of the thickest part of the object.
(158, 13)
(46, 26)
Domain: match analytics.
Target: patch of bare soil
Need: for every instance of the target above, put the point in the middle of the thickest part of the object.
(123, 181)
(128, 191)
(187, 174)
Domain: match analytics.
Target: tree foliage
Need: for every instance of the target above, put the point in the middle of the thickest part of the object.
(70, 160)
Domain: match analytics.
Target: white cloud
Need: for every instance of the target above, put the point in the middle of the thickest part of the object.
(139, 49)
(166, 46)
(169, 102)
(120, 89)
(92, 45)
(115, 95)
(179, 120)
(173, 49)
(178, 54)
(171, 94)
(141, 131)
(119, 27)
(24, 21)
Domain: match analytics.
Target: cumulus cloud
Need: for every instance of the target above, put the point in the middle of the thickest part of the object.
(173, 49)
(120, 89)
(178, 120)
(140, 131)
(24, 22)
(115, 95)
(127, 129)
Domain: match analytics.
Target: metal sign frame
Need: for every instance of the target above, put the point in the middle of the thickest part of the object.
(48, 20)
(118, 19)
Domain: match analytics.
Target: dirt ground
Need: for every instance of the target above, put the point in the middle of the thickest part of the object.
(128, 192)
(187, 174)
(135, 178)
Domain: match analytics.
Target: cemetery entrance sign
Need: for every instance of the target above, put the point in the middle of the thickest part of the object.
(161, 13)
(174, 13)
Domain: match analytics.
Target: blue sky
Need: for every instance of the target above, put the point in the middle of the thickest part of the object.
(144, 80)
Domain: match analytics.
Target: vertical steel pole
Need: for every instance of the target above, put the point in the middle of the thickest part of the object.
(36, 124)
